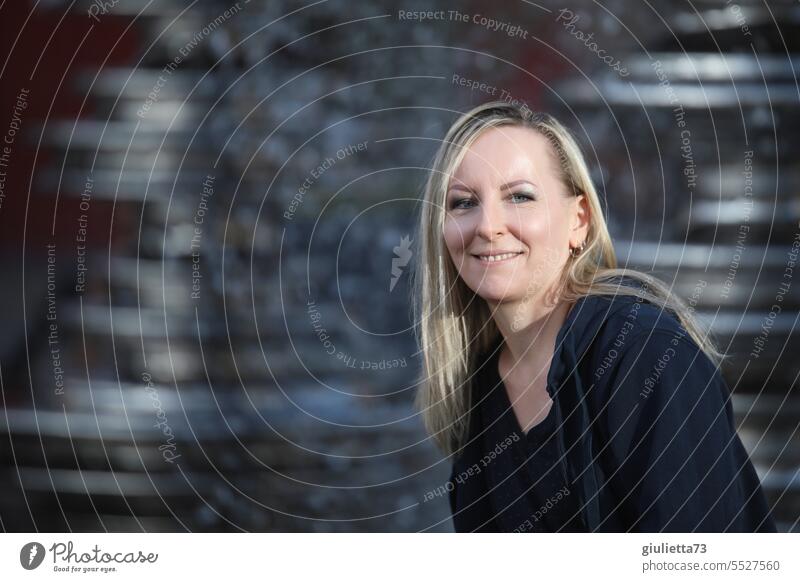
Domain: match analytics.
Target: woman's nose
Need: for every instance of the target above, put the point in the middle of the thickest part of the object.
(491, 221)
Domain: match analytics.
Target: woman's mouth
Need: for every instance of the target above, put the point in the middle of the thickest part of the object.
(496, 259)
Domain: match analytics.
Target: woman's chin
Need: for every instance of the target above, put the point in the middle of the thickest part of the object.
(495, 294)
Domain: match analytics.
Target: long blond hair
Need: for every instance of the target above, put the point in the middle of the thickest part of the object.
(455, 326)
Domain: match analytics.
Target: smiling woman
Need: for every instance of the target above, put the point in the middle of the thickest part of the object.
(528, 329)
(506, 182)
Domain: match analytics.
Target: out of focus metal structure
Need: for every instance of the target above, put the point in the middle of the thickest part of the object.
(188, 404)
(199, 394)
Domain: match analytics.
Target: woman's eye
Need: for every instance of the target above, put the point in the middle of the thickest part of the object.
(524, 197)
(463, 203)
(458, 203)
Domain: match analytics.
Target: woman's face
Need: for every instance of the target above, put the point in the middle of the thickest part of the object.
(505, 198)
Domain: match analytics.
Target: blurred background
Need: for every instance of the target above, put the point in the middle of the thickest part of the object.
(207, 220)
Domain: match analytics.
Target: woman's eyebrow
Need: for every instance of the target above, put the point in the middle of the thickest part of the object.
(516, 183)
(461, 187)
(502, 187)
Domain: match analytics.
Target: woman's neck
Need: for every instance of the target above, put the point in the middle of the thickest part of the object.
(530, 333)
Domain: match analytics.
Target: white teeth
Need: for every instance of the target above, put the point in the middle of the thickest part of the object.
(491, 259)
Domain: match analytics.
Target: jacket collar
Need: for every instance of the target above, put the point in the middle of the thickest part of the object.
(579, 330)
(569, 394)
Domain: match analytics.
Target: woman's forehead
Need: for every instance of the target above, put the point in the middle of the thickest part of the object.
(507, 136)
(502, 158)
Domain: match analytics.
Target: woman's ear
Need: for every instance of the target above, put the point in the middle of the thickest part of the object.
(581, 219)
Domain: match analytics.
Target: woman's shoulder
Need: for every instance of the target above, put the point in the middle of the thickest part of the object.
(640, 343)
(633, 338)
(624, 319)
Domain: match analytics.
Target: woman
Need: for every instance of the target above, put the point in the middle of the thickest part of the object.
(572, 395)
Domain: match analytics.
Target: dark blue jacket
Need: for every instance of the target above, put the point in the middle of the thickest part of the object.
(646, 437)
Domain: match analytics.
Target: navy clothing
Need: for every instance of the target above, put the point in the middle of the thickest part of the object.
(531, 490)
(643, 439)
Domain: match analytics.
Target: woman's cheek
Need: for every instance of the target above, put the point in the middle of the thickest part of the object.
(452, 238)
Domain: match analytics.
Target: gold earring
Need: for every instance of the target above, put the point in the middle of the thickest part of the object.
(575, 251)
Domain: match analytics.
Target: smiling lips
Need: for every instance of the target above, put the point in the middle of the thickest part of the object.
(501, 257)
